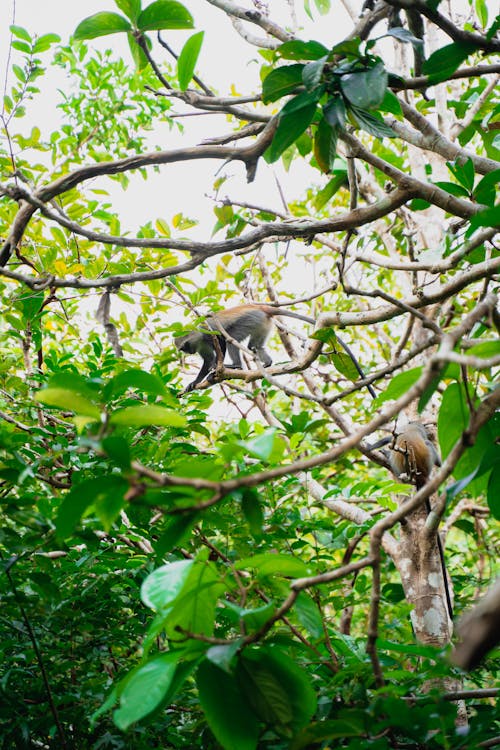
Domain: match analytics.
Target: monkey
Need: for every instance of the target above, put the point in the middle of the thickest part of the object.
(250, 321)
(412, 458)
(414, 455)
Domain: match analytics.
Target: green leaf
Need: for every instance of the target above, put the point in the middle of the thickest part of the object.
(486, 189)
(390, 103)
(223, 656)
(404, 35)
(105, 492)
(44, 42)
(299, 50)
(177, 530)
(453, 188)
(323, 6)
(101, 24)
(373, 124)
(490, 217)
(145, 382)
(311, 75)
(366, 89)
(188, 58)
(131, 8)
(147, 414)
(20, 32)
(464, 173)
(443, 62)
(288, 130)
(309, 615)
(165, 14)
(325, 145)
(399, 384)
(261, 446)
(118, 449)
(252, 510)
(227, 711)
(280, 82)
(268, 564)
(334, 112)
(326, 731)
(277, 689)
(163, 585)
(332, 186)
(145, 689)
(63, 398)
(494, 492)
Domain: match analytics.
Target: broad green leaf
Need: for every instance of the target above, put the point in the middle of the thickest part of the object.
(372, 123)
(334, 112)
(106, 493)
(163, 585)
(188, 58)
(338, 180)
(164, 14)
(464, 173)
(20, 32)
(288, 130)
(131, 8)
(399, 384)
(143, 381)
(277, 689)
(223, 656)
(194, 609)
(486, 189)
(311, 75)
(177, 530)
(267, 564)
(261, 446)
(326, 731)
(63, 398)
(367, 88)
(325, 145)
(443, 62)
(101, 24)
(453, 188)
(299, 50)
(404, 35)
(252, 510)
(147, 414)
(44, 42)
(227, 710)
(300, 101)
(280, 82)
(490, 217)
(145, 689)
(118, 449)
(309, 615)
(494, 492)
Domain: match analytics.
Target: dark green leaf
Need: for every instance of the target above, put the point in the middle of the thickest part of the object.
(176, 532)
(311, 75)
(280, 82)
(490, 217)
(334, 112)
(305, 99)
(486, 190)
(223, 656)
(366, 89)
(373, 124)
(227, 711)
(299, 50)
(268, 564)
(329, 730)
(118, 449)
(404, 35)
(309, 615)
(494, 492)
(325, 145)
(288, 130)
(464, 173)
(164, 14)
(145, 382)
(252, 510)
(106, 493)
(453, 189)
(101, 24)
(188, 59)
(443, 62)
(277, 689)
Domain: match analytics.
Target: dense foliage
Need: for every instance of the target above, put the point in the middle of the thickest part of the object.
(236, 567)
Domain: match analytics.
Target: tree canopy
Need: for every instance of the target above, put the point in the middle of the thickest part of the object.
(234, 565)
